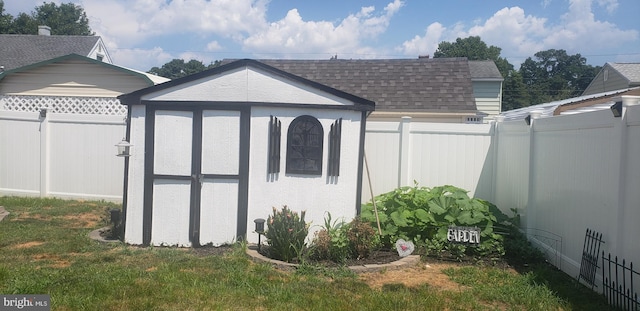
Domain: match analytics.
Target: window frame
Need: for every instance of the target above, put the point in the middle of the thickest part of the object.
(311, 149)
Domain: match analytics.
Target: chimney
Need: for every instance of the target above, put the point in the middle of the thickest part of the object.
(44, 30)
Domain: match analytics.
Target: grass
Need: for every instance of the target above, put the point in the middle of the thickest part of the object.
(44, 249)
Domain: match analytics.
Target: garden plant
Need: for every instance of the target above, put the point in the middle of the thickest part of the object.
(423, 215)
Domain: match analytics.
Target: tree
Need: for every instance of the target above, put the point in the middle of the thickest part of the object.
(177, 68)
(473, 48)
(66, 19)
(555, 75)
(5, 19)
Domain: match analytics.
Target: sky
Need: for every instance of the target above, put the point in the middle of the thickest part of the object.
(141, 34)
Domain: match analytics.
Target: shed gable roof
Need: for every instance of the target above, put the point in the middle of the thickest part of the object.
(439, 84)
(244, 81)
(22, 50)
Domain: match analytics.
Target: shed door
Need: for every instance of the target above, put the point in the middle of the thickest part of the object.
(197, 192)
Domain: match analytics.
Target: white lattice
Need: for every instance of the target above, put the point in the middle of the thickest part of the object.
(55, 104)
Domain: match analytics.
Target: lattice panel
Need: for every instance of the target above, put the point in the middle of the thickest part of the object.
(55, 104)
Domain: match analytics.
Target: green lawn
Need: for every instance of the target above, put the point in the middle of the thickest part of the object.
(45, 249)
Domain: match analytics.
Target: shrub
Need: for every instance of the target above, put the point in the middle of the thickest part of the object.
(286, 232)
(330, 242)
(362, 238)
(338, 241)
(423, 215)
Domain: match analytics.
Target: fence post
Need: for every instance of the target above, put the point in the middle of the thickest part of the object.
(44, 151)
(405, 166)
(531, 211)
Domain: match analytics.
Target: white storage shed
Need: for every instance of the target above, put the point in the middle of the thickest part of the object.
(213, 151)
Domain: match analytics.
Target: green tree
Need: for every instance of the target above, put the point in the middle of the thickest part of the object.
(66, 19)
(514, 92)
(6, 20)
(554, 75)
(473, 48)
(177, 68)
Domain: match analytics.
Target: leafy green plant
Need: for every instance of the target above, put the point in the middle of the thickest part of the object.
(423, 215)
(331, 242)
(338, 241)
(286, 232)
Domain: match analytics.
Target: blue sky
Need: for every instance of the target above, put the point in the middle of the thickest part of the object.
(141, 34)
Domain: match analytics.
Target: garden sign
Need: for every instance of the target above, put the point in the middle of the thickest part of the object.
(468, 235)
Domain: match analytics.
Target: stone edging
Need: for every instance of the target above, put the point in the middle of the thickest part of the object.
(401, 263)
(95, 235)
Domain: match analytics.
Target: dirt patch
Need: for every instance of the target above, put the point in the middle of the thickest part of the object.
(56, 261)
(83, 220)
(27, 245)
(414, 276)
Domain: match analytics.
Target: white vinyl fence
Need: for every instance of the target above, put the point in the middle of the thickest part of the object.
(61, 155)
(563, 174)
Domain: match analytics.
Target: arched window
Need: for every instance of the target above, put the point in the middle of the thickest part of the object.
(304, 146)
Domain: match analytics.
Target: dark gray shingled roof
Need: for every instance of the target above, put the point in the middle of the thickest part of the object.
(22, 50)
(439, 84)
(484, 70)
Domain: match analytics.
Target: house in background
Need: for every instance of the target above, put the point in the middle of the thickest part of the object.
(59, 121)
(71, 84)
(487, 87)
(23, 50)
(614, 76)
(446, 90)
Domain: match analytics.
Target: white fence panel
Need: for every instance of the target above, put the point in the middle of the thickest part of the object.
(512, 167)
(431, 154)
(629, 215)
(20, 153)
(61, 155)
(82, 156)
(573, 181)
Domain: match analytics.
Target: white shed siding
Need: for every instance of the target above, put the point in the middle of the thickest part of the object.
(135, 186)
(170, 221)
(72, 77)
(317, 195)
(246, 85)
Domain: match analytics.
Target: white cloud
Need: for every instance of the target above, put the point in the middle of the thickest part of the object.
(139, 20)
(426, 44)
(214, 46)
(292, 36)
(521, 35)
(140, 59)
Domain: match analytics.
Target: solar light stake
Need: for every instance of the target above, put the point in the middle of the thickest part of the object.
(259, 229)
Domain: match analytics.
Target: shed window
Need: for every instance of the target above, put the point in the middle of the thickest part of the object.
(304, 146)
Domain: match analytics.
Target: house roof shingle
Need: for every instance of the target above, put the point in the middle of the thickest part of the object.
(631, 71)
(438, 85)
(484, 70)
(22, 50)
